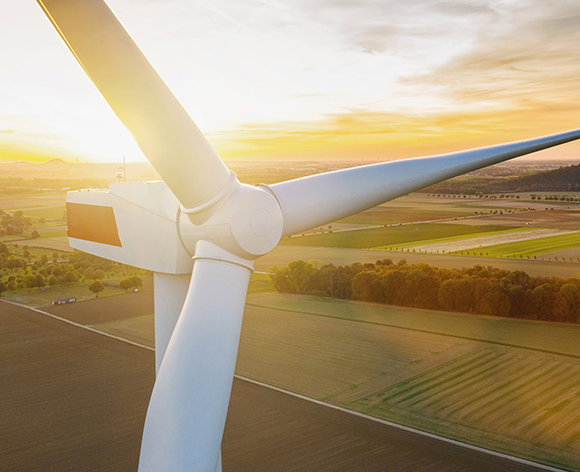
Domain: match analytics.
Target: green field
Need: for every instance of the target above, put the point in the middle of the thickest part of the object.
(53, 234)
(49, 213)
(376, 237)
(260, 283)
(139, 329)
(508, 385)
(555, 338)
(504, 399)
(59, 243)
(453, 238)
(529, 248)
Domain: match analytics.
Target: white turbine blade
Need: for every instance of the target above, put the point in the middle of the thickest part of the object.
(189, 403)
(162, 128)
(319, 199)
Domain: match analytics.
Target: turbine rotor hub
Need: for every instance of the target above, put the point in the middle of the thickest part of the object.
(247, 221)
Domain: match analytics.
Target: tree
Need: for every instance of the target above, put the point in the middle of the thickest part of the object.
(125, 284)
(367, 286)
(542, 302)
(495, 301)
(455, 295)
(130, 283)
(300, 276)
(39, 281)
(570, 296)
(96, 287)
(70, 278)
(421, 289)
(279, 278)
(2, 287)
(136, 281)
(35, 234)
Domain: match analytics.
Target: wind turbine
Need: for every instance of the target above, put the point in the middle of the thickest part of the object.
(202, 221)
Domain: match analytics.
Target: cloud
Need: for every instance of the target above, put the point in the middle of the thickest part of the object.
(363, 135)
(529, 58)
(395, 27)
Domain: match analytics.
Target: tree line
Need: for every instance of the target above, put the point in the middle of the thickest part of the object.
(27, 269)
(478, 289)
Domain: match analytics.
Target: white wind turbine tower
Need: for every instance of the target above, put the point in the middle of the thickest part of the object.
(202, 221)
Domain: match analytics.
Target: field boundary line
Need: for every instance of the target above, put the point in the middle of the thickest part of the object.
(408, 429)
(401, 427)
(78, 325)
(376, 323)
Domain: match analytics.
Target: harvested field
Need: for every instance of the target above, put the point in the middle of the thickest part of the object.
(566, 254)
(71, 400)
(75, 400)
(565, 219)
(403, 214)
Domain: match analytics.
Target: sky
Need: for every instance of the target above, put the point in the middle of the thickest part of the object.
(355, 80)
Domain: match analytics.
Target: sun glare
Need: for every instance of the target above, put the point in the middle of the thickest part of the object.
(306, 81)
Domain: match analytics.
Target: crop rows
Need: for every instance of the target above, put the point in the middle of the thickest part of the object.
(504, 398)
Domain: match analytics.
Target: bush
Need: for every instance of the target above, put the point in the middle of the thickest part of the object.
(130, 283)
(96, 287)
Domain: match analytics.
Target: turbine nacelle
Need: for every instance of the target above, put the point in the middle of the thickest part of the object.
(142, 224)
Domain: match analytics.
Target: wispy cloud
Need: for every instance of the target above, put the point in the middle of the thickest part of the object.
(329, 78)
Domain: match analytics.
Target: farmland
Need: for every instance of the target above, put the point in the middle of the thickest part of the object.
(441, 224)
(532, 247)
(282, 255)
(52, 371)
(44, 213)
(504, 384)
(377, 237)
(453, 239)
(503, 397)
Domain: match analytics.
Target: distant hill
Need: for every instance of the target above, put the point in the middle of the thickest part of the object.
(564, 179)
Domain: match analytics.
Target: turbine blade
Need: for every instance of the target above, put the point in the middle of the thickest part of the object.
(320, 199)
(188, 406)
(161, 127)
